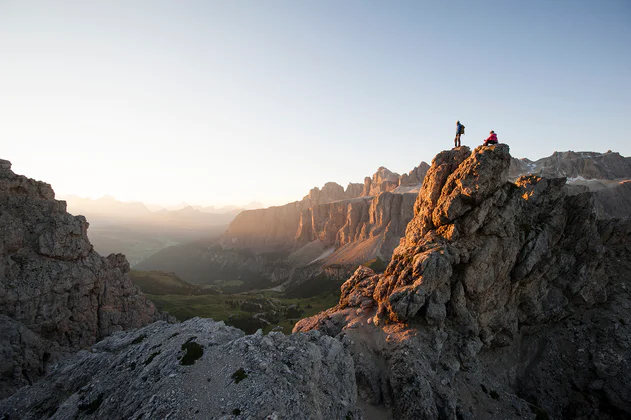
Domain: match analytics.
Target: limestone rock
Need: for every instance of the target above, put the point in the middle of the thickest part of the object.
(415, 176)
(490, 305)
(329, 192)
(199, 369)
(383, 180)
(53, 286)
(353, 190)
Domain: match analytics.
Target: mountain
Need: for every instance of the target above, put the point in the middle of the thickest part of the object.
(333, 230)
(57, 295)
(503, 300)
(575, 166)
(356, 208)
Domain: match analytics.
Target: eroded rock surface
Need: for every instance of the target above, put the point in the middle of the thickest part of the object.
(503, 300)
(56, 293)
(199, 369)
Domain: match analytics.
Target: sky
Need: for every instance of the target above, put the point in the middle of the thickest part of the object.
(228, 102)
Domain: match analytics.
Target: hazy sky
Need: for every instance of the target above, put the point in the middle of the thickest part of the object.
(232, 101)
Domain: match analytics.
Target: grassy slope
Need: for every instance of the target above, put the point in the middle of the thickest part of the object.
(214, 306)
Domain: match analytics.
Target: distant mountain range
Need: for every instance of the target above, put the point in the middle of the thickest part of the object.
(139, 230)
(333, 229)
(111, 207)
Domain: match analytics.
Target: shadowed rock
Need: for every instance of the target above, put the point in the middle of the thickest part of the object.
(55, 291)
(199, 369)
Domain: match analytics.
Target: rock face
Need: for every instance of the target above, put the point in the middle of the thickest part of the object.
(383, 180)
(352, 222)
(199, 369)
(489, 306)
(415, 176)
(56, 293)
(354, 213)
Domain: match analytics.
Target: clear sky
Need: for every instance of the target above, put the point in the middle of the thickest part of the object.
(225, 102)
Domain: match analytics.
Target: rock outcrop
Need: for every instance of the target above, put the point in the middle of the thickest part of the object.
(56, 293)
(199, 369)
(503, 300)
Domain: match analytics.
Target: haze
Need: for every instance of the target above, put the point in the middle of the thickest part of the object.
(223, 103)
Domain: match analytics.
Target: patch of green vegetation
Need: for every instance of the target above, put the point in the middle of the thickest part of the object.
(153, 355)
(92, 406)
(139, 339)
(230, 308)
(193, 352)
(236, 412)
(377, 265)
(239, 375)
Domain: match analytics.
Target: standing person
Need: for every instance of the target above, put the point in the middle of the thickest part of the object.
(459, 132)
(492, 139)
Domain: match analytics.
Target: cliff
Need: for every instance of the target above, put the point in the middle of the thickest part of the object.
(56, 294)
(355, 213)
(347, 228)
(503, 300)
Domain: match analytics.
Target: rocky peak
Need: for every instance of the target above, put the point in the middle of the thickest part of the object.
(415, 176)
(354, 189)
(479, 287)
(383, 180)
(54, 288)
(331, 191)
(474, 234)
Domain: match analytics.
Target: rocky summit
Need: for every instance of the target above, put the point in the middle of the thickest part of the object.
(503, 300)
(57, 294)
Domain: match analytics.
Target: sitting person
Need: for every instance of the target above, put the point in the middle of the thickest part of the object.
(492, 139)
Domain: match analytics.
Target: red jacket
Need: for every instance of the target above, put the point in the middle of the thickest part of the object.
(492, 137)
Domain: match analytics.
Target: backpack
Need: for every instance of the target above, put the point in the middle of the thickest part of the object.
(461, 129)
